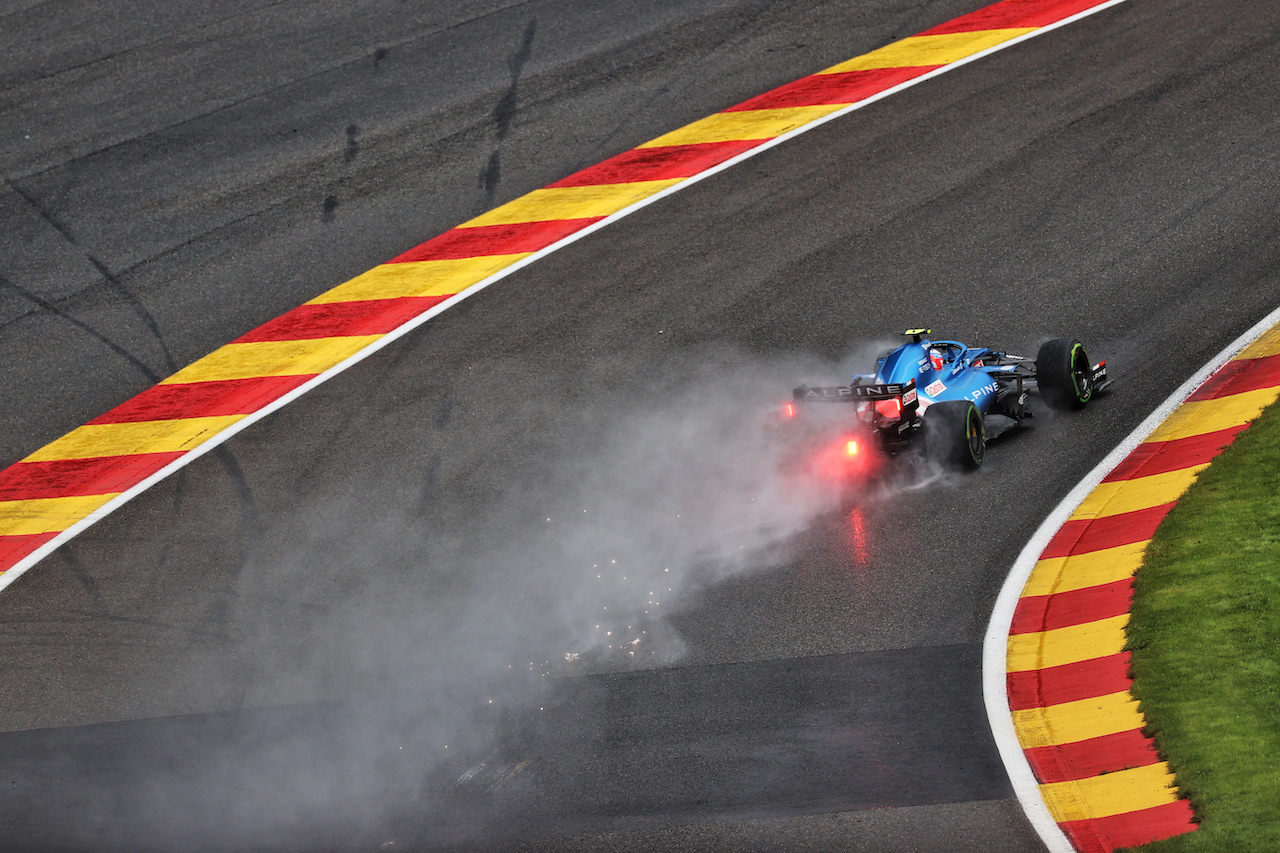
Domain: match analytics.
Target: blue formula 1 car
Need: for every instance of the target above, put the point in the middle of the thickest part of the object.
(949, 399)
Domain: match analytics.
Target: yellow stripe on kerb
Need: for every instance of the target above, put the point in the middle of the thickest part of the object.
(1111, 793)
(1202, 416)
(127, 439)
(928, 50)
(419, 278)
(46, 515)
(271, 358)
(1138, 493)
(1075, 721)
(1078, 571)
(1062, 646)
(743, 124)
(571, 203)
(1267, 345)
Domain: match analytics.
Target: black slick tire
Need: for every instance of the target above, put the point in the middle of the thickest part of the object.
(954, 436)
(1064, 374)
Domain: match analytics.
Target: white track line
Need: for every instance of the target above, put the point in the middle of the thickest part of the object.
(994, 691)
(17, 570)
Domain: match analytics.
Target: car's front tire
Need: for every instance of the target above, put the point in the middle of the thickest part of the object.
(1064, 374)
(954, 435)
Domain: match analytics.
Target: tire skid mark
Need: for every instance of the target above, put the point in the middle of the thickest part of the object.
(504, 112)
(49, 308)
(110, 277)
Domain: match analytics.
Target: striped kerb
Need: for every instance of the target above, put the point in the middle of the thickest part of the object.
(1068, 672)
(80, 474)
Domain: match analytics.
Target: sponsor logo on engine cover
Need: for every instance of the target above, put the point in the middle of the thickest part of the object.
(935, 388)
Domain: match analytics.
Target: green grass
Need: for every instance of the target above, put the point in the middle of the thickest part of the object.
(1205, 637)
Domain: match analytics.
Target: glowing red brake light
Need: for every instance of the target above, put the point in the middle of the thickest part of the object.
(851, 448)
(891, 409)
(791, 410)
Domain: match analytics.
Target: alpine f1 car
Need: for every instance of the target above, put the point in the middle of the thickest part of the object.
(947, 398)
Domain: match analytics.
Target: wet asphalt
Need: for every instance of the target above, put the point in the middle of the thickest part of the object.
(278, 647)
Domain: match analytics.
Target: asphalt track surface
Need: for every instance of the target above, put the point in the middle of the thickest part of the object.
(271, 649)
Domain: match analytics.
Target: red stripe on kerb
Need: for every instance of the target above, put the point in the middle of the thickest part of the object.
(843, 88)
(1064, 609)
(201, 399)
(660, 163)
(1159, 457)
(1040, 688)
(1014, 14)
(1081, 536)
(338, 319)
(14, 548)
(511, 239)
(102, 475)
(1239, 376)
(1093, 757)
(1130, 829)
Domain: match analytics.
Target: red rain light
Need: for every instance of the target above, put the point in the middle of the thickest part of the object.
(851, 448)
(891, 409)
(790, 410)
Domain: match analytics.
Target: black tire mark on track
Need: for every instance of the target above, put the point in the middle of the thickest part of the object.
(328, 211)
(179, 496)
(86, 581)
(110, 277)
(244, 492)
(50, 308)
(503, 114)
(353, 146)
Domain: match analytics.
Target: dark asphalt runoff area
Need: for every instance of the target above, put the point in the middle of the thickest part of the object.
(530, 578)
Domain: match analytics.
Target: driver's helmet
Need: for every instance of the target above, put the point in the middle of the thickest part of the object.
(935, 358)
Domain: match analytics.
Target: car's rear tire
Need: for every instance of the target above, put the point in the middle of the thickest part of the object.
(954, 436)
(1065, 374)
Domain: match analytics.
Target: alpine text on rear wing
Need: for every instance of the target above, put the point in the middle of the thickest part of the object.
(856, 393)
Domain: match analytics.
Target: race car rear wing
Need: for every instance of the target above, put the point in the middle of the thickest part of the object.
(857, 393)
